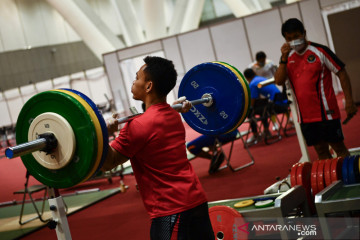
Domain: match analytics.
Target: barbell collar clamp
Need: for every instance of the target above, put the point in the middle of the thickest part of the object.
(51, 142)
(47, 144)
(206, 100)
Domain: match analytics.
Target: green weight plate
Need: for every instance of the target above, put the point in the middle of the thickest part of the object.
(85, 135)
(102, 124)
(98, 130)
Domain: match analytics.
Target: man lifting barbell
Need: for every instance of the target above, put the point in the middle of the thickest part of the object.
(155, 144)
(63, 139)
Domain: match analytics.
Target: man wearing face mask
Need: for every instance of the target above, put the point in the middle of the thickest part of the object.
(308, 67)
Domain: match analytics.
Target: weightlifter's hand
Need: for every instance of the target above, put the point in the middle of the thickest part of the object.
(112, 124)
(186, 105)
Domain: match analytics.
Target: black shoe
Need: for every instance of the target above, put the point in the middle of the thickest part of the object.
(216, 161)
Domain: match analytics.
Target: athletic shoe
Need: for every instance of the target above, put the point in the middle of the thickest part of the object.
(252, 140)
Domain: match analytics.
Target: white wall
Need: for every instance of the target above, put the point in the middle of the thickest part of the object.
(93, 83)
(235, 42)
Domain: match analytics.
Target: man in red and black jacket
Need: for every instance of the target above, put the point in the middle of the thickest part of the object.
(308, 66)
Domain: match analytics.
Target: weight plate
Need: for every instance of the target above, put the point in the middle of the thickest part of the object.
(345, 170)
(244, 82)
(102, 123)
(86, 142)
(303, 178)
(66, 143)
(320, 175)
(244, 203)
(246, 88)
(264, 199)
(293, 174)
(303, 175)
(98, 131)
(352, 166)
(327, 172)
(226, 221)
(336, 169)
(228, 98)
(314, 187)
(357, 168)
(264, 204)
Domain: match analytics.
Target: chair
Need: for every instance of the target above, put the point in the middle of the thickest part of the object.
(30, 190)
(284, 110)
(219, 146)
(263, 111)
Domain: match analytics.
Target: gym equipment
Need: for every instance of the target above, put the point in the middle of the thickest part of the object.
(61, 106)
(320, 174)
(266, 82)
(353, 169)
(293, 175)
(264, 204)
(67, 135)
(327, 172)
(283, 205)
(244, 203)
(336, 165)
(102, 123)
(303, 178)
(339, 198)
(345, 171)
(63, 139)
(230, 100)
(314, 185)
(226, 222)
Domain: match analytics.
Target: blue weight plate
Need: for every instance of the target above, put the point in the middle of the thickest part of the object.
(102, 124)
(345, 171)
(352, 169)
(227, 93)
(357, 168)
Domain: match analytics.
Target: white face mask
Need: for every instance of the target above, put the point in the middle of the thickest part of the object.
(297, 44)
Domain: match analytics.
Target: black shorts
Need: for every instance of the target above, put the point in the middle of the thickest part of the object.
(327, 131)
(193, 224)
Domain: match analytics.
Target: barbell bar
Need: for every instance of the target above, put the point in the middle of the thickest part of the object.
(266, 82)
(45, 143)
(207, 99)
(25, 148)
(220, 98)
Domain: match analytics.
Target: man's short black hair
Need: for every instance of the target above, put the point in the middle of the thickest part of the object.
(292, 25)
(260, 55)
(249, 74)
(162, 73)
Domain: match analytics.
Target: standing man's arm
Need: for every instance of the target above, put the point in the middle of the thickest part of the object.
(350, 106)
(281, 73)
(113, 157)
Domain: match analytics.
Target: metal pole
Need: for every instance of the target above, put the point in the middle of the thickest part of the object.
(207, 99)
(25, 148)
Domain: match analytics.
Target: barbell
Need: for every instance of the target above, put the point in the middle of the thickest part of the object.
(63, 140)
